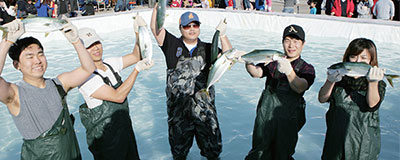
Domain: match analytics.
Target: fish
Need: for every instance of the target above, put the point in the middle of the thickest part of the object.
(262, 56)
(43, 24)
(214, 46)
(145, 45)
(357, 69)
(39, 25)
(220, 66)
(161, 8)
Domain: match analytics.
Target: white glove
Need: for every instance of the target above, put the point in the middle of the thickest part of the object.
(138, 22)
(144, 64)
(284, 66)
(375, 74)
(15, 29)
(334, 76)
(221, 27)
(70, 31)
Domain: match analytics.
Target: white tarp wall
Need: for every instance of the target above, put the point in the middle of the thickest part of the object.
(315, 25)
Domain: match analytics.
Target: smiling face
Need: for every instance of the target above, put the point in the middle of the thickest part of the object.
(96, 51)
(293, 47)
(32, 62)
(190, 32)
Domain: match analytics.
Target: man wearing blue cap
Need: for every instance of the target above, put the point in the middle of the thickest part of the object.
(191, 112)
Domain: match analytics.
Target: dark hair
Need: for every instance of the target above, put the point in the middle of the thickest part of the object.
(15, 50)
(359, 45)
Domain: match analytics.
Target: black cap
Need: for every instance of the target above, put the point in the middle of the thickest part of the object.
(294, 30)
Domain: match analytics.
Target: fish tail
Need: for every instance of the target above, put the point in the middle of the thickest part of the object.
(5, 32)
(205, 90)
(390, 77)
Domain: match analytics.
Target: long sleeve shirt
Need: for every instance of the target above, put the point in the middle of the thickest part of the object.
(384, 9)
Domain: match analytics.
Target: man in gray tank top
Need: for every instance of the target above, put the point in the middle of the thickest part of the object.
(37, 104)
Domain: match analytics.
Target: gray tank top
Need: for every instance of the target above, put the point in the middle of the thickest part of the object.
(39, 108)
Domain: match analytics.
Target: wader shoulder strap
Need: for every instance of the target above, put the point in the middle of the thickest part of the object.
(298, 65)
(116, 75)
(62, 93)
(106, 80)
(60, 89)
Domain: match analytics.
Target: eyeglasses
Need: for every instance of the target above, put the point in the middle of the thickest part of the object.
(194, 25)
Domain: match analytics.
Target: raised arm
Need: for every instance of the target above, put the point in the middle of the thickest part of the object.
(160, 34)
(225, 43)
(134, 57)
(118, 95)
(78, 76)
(7, 90)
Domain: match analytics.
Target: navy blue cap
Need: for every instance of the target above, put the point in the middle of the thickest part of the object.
(188, 17)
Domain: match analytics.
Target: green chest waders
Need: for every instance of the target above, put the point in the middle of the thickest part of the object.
(352, 133)
(280, 116)
(109, 131)
(59, 142)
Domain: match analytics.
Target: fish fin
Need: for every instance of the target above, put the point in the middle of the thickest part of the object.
(390, 77)
(46, 34)
(5, 32)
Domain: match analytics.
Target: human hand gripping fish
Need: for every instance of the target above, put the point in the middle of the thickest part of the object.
(357, 69)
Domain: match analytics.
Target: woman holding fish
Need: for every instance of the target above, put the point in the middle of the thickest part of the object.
(355, 91)
(191, 111)
(105, 114)
(281, 108)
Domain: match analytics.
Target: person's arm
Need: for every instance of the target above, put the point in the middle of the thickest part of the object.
(254, 71)
(323, 5)
(134, 57)
(391, 10)
(81, 74)
(370, 3)
(225, 43)
(9, 91)
(296, 83)
(118, 95)
(325, 91)
(351, 11)
(375, 75)
(333, 8)
(374, 10)
(373, 96)
(160, 34)
(55, 10)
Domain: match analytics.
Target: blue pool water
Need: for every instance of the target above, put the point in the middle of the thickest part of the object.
(237, 95)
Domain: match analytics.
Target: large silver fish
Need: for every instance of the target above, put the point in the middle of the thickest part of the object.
(357, 69)
(40, 25)
(145, 45)
(225, 61)
(43, 24)
(161, 8)
(262, 55)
